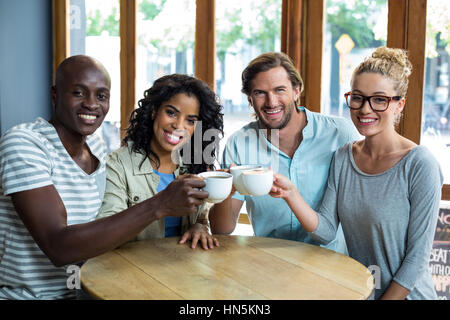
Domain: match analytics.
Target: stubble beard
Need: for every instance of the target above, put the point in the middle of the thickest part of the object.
(284, 122)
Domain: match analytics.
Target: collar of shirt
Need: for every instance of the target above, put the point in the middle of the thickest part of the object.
(96, 146)
(146, 168)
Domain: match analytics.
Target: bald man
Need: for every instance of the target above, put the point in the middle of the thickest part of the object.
(52, 180)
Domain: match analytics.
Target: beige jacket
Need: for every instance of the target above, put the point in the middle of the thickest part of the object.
(128, 184)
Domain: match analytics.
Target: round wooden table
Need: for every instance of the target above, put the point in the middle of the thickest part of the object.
(240, 268)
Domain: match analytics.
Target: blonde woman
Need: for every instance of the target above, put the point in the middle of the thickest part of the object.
(384, 190)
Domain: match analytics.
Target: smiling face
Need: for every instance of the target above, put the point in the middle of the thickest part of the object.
(174, 123)
(273, 98)
(80, 97)
(368, 122)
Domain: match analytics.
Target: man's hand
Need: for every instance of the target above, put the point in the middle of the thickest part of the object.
(182, 196)
(200, 232)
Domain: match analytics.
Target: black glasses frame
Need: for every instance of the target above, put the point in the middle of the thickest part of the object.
(347, 94)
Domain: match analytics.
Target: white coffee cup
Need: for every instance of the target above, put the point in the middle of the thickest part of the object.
(218, 185)
(236, 172)
(257, 182)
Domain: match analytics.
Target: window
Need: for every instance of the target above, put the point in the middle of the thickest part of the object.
(436, 104)
(94, 31)
(165, 40)
(244, 30)
(353, 30)
(303, 33)
(435, 131)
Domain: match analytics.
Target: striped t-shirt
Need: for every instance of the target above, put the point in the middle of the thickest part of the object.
(33, 156)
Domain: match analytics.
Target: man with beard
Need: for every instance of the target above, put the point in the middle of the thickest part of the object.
(292, 140)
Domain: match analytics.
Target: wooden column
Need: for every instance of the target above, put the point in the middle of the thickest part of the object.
(446, 192)
(128, 45)
(291, 30)
(302, 25)
(407, 30)
(205, 42)
(314, 20)
(61, 32)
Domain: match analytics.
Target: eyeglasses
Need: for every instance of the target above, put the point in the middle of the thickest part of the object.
(376, 103)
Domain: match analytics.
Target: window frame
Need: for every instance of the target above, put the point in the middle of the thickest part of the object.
(61, 32)
(302, 29)
(128, 46)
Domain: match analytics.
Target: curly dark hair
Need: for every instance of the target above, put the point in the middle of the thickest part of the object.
(140, 130)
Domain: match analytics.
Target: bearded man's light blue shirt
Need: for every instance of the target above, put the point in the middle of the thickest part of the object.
(308, 169)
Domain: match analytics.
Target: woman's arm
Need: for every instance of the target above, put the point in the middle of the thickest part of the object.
(285, 189)
(395, 292)
(424, 195)
(323, 224)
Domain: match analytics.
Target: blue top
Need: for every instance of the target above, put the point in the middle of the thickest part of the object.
(389, 219)
(172, 224)
(308, 170)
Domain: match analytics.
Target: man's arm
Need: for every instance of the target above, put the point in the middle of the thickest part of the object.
(223, 216)
(44, 215)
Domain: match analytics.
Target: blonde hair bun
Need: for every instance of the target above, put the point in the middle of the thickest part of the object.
(392, 63)
(394, 55)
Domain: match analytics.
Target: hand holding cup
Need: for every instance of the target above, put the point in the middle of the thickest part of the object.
(183, 196)
(282, 187)
(252, 180)
(218, 185)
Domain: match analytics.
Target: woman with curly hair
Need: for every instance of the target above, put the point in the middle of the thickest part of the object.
(384, 189)
(161, 146)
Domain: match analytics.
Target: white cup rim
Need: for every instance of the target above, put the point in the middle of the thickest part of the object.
(211, 174)
(258, 172)
(247, 167)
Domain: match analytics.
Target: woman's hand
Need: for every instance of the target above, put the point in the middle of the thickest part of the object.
(282, 187)
(200, 232)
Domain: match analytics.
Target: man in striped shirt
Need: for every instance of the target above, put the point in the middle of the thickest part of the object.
(52, 180)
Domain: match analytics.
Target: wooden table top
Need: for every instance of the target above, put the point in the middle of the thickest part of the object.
(240, 268)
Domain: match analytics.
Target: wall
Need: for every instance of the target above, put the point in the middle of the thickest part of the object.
(25, 61)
